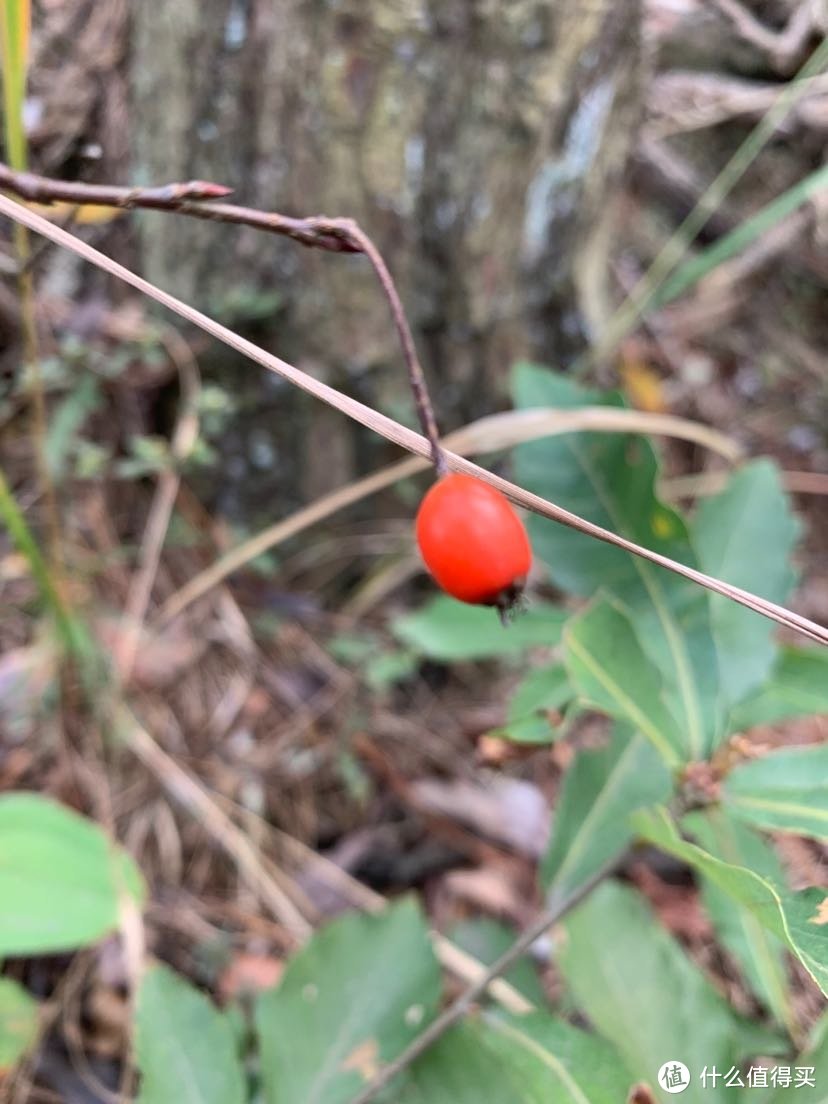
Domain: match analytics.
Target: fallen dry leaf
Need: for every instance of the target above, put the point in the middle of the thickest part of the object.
(508, 810)
(249, 973)
(489, 889)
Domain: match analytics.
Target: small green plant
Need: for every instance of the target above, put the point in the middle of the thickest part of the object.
(678, 674)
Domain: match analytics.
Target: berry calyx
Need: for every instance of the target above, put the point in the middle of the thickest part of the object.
(473, 542)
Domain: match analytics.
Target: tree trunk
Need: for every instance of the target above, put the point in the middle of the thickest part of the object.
(479, 143)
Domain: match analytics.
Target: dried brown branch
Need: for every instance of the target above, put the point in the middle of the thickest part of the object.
(401, 435)
(193, 199)
(336, 235)
(782, 48)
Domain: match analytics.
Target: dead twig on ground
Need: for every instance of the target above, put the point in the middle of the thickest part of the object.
(784, 48)
(189, 792)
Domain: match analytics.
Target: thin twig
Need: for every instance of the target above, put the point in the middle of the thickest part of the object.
(492, 433)
(192, 199)
(401, 435)
(416, 376)
(337, 235)
(637, 304)
(166, 492)
(709, 483)
(190, 793)
(453, 958)
(455, 1011)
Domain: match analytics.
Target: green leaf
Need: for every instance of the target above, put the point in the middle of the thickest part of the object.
(600, 790)
(795, 918)
(806, 927)
(18, 1023)
(797, 687)
(351, 1000)
(543, 691)
(745, 536)
(610, 480)
(784, 791)
(583, 1067)
(185, 1047)
(530, 1059)
(66, 422)
(643, 993)
(466, 1066)
(62, 880)
(449, 631)
(759, 953)
(815, 1059)
(610, 672)
(487, 940)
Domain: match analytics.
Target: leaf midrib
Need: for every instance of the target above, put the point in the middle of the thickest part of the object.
(577, 844)
(689, 693)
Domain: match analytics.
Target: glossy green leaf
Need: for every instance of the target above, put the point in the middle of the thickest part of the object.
(61, 879)
(796, 687)
(611, 672)
(18, 1023)
(530, 1059)
(745, 536)
(785, 791)
(186, 1049)
(543, 691)
(610, 479)
(352, 999)
(759, 953)
(795, 918)
(600, 790)
(451, 631)
(643, 994)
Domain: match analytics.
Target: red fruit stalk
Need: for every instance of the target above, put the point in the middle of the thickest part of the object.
(473, 542)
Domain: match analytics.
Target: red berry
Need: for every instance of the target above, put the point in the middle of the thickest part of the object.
(473, 542)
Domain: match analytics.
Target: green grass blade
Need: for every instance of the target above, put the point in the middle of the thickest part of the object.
(15, 26)
(741, 237)
(72, 632)
(643, 296)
